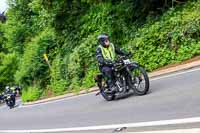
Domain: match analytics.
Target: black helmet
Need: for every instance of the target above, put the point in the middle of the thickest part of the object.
(101, 39)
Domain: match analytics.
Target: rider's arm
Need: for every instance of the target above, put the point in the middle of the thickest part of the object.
(120, 51)
(99, 56)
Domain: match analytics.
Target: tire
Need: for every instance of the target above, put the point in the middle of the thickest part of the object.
(14, 102)
(101, 83)
(9, 104)
(106, 96)
(135, 81)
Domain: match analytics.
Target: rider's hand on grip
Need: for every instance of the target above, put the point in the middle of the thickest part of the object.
(130, 55)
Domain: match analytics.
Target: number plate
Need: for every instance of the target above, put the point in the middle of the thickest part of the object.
(127, 61)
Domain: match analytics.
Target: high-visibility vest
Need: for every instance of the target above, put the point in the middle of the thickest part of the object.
(108, 53)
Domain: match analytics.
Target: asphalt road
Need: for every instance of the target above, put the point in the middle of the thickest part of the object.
(174, 96)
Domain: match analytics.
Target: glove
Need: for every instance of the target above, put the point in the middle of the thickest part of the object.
(130, 54)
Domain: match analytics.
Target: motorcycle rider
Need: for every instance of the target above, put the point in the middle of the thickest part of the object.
(18, 90)
(105, 55)
(8, 90)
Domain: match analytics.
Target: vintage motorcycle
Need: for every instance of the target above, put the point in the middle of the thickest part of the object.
(10, 99)
(129, 77)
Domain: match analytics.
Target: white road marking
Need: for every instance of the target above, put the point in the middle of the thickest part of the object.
(57, 100)
(193, 130)
(175, 74)
(106, 127)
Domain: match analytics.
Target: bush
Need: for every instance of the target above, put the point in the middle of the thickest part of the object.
(31, 94)
(88, 80)
(58, 86)
(33, 69)
(8, 67)
(175, 37)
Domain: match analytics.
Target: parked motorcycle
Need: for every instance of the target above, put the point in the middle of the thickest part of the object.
(128, 77)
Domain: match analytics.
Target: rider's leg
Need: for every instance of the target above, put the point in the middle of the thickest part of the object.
(107, 72)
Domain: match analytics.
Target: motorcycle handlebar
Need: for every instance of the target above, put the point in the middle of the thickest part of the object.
(124, 57)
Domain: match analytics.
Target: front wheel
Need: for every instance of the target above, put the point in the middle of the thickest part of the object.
(139, 81)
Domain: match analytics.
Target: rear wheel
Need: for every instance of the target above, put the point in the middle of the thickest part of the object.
(105, 92)
(107, 96)
(139, 81)
(14, 100)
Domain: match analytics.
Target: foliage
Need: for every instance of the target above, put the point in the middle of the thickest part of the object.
(33, 68)
(58, 79)
(58, 86)
(175, 37)
(31, 94)
(8, 67)
(88, 79)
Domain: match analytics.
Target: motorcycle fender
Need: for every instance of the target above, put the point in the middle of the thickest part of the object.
(133, 65)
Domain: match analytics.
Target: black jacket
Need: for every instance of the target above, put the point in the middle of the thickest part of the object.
(104, 62)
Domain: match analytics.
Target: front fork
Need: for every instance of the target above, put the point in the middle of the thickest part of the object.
(130, 68)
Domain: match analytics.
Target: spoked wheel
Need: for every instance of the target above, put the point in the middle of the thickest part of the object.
(139, 81)
(106, 93)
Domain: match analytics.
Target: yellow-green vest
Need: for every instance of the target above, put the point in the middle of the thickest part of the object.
(108, 53)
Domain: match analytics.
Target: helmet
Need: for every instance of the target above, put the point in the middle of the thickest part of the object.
(101, 39)
(7, 87)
